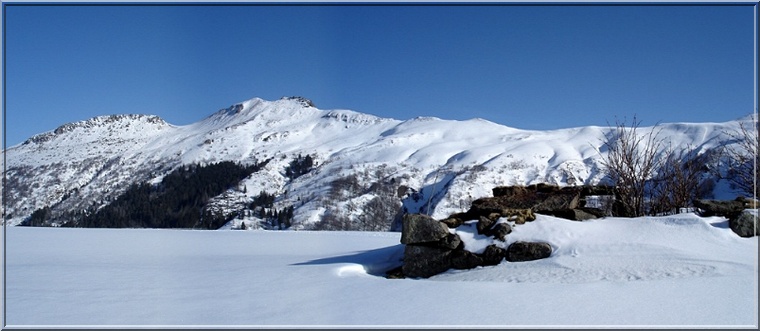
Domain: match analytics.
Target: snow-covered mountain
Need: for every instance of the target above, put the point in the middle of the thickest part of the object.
(425, 161)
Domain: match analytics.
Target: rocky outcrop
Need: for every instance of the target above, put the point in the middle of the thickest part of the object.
(522, 202)
(432, 247)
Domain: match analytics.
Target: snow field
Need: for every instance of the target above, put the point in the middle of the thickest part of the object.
(676, 271)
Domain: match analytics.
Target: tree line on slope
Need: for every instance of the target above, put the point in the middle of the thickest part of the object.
(177, 202)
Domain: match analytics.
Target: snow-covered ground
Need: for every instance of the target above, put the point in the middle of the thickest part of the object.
(676, 271)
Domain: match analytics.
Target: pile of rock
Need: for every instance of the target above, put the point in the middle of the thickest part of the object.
(523, 202)
(431, 248)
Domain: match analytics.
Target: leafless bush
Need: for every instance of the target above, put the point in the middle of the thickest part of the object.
(677, 183)
(378, 214)
(630, 162)
(743, 159)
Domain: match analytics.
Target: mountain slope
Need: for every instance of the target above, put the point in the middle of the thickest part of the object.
(442, 164)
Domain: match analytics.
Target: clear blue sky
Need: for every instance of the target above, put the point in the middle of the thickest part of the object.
(529, 67)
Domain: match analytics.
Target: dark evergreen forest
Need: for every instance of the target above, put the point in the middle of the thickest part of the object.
(176, 202)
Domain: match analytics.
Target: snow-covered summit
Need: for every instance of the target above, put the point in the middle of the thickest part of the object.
(446, 162)
(100, 125)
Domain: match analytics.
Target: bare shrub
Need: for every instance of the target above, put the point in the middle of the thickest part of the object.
(630, 162)
(678, 182)
(743, 158)
(378, 214)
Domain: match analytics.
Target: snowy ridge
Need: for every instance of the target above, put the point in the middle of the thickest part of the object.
(449, 163)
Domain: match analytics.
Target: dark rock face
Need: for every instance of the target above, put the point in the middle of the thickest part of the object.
(559, 200)
(493, 255)
(462, 259)
(745, 224)
(565, 202)
(418, 228)
(725, 208)
(424, 261)
(528, 251)
(431, 249)
(450, 241)
(484, 224)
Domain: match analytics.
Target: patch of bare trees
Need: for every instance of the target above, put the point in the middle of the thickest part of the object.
(743, 158)
(631, 161)
(650, 179)
(677, 182)
(344, 212)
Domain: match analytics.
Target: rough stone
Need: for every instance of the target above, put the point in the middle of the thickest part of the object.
(541, 198)
(424, 261)
(418, 228)
(450, 241)
(519, 216)
(463, 259)
(484, 225)
(502, 191)
(453, 222)
(528, 251)
(500, 231)
(560, 200)
(745, 224)
(725, 208)
(493, 255)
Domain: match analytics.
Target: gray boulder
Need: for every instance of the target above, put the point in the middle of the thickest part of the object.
(424, 261)
(493, 255)
(418, 228)
(450, 241)
(463, 259)
(500, 231)
(745, 224)
(528, 251)
(484, 225)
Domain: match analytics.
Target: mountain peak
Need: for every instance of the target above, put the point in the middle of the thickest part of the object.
(98, 121)
(303, 101)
